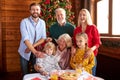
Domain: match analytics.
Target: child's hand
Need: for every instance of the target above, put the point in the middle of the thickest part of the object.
(79, 66)
(43, 73)
(37, 67)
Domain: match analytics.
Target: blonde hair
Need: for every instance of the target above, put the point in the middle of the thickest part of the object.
(50, 45)
(89, 20)
(84, 35)
(67, 38)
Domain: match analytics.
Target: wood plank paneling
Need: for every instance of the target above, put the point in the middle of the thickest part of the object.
(75, 8)
(10, 25)
(21, 5)
(1, 60)
(11, 13)
(8, 43)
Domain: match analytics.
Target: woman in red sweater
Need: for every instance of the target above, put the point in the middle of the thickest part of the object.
(85, 25)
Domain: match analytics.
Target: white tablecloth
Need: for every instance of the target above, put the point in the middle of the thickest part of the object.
(86, 76)
(83, 75)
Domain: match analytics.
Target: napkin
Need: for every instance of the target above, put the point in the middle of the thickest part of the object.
(36, 78)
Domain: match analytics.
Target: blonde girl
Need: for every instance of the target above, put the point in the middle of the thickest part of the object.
(49, 62)
(77, 58)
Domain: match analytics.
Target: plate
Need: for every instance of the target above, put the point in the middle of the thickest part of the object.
(33, 76)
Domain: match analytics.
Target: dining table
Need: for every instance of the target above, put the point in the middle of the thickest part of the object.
(83, 76)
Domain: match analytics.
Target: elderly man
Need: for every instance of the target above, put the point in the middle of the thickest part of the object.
(61, 26)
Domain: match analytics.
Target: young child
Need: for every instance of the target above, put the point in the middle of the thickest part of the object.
(77, 57)
(48, 63)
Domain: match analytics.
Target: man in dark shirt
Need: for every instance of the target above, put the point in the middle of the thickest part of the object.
(61, 26)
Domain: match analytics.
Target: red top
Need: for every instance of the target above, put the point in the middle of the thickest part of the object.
(93, 36)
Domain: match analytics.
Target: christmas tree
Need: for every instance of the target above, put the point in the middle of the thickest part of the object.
(48, 10)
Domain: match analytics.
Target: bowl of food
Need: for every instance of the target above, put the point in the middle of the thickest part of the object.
(69, 76)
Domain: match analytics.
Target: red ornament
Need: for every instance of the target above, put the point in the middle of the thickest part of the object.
(47, 2)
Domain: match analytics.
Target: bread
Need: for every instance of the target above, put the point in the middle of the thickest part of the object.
(69, 76)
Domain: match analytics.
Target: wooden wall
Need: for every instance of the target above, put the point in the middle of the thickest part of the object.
(75, 8)
(11, 13)
(0, 41)
(77, 5)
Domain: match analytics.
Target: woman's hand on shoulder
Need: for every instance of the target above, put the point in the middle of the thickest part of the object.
(73, 51)
(88, 53)
(48, 39)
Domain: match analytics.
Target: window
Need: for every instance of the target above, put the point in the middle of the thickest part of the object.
(108, 14)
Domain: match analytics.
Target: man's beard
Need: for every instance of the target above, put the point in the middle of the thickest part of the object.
(35, 15)
(61, 21)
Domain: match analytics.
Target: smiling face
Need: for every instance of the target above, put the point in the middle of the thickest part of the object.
(62, 44)
(82, 16)
(60, 16)
(49, 48)
(49, 51)
(35, 11)
(80, 41)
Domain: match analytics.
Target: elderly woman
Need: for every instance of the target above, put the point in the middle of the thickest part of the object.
(63, 51)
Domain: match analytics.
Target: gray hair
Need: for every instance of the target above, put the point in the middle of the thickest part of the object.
(60, 9)
(67, 38)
